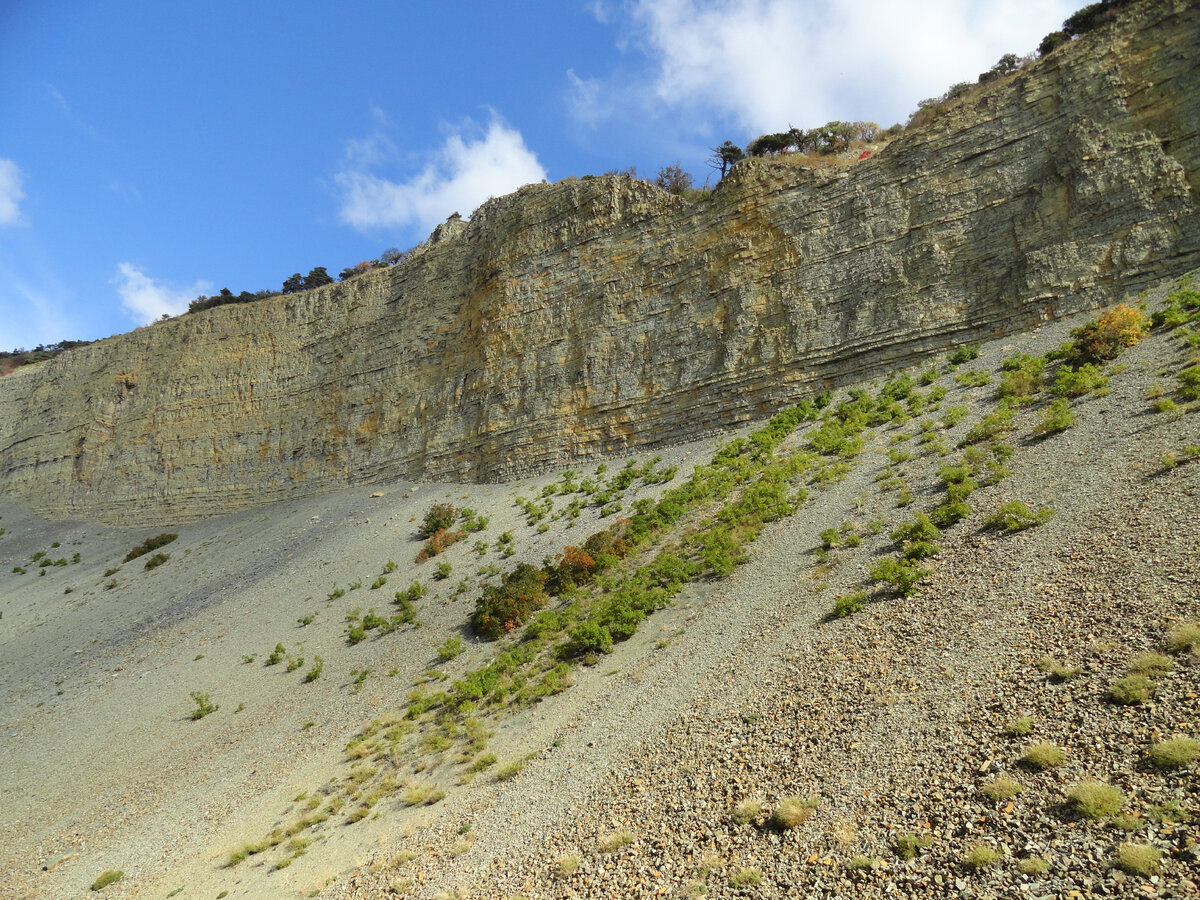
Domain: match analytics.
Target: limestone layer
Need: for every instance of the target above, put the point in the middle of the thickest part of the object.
(597, 316)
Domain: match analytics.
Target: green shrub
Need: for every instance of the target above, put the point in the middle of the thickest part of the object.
(991, 425)
(949, 514)
(1153, 665)
(1139, 859)
(588, 638)
(150, 544)
(847, 604)
(112, 876)
(378, 582)
(450, 649)
(315, 672)
(204, 705)
(1016, 516)
(1131, 690)
(1096, 800)
(964, 354)
(1058, 418)
(613, 842)
(1086, 379)
(902, 575)
(157, 560)
(1189, 380)
(1058, 671)
(439, 518)
(1175, 753)
(503, 607)
(276, 655)
(915, 551)
(442, 572)
(919, 529)
(746, 811)
(974, 378)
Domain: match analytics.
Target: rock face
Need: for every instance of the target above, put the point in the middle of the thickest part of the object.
(600, 315)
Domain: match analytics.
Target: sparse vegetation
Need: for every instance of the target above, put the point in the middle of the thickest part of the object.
(204, 705)
(614, 841)
(1139, 859)
(112, 876)
(1096, 800)
(980, 857)
(1016, 516)
(1175, 753)
(157, 560)
(907, 844)
(150, 544)
(1131, 690)
(1002, 788)
(1043, 755)
(792, 812)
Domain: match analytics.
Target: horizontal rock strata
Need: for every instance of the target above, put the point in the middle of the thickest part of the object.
(594, 316)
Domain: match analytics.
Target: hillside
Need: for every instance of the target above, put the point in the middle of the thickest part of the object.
(636, 774)
(574, 321)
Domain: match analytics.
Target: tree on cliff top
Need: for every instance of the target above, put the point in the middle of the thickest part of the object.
(725, 156)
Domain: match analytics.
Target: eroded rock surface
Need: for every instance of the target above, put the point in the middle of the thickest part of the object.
(593, 316)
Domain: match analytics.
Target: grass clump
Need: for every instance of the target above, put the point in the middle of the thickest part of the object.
(1175, 753)
(907, 845)
(1002, 788)
(112, 876)
(1184, 638)
(980, 857)
(1020, 726)
(747, 877)
(1043, 755)
(1016, 516)
(793, 812)
(1131, 690)
(566, 866)
(1096, 800)
(1058, 671)
(510, 770)
(150, 544)
(1033, 865)
(1139, 859)
(613, 842)
(746, 811)
(314, 673)
(1152, 665)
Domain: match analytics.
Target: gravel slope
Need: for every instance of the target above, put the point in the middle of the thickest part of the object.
(745, 689)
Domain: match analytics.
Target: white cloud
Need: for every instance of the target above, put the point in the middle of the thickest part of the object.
(11, 194)
(458, 177)
(146, 299)
(767, 64)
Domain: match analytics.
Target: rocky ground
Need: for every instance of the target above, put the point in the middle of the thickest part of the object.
(658, 772)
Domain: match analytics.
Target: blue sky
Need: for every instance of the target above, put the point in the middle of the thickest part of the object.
(151, 152)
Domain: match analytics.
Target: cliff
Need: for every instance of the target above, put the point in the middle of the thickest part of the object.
(594, 316)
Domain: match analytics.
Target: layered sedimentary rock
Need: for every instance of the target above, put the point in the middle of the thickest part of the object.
(600, 315)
